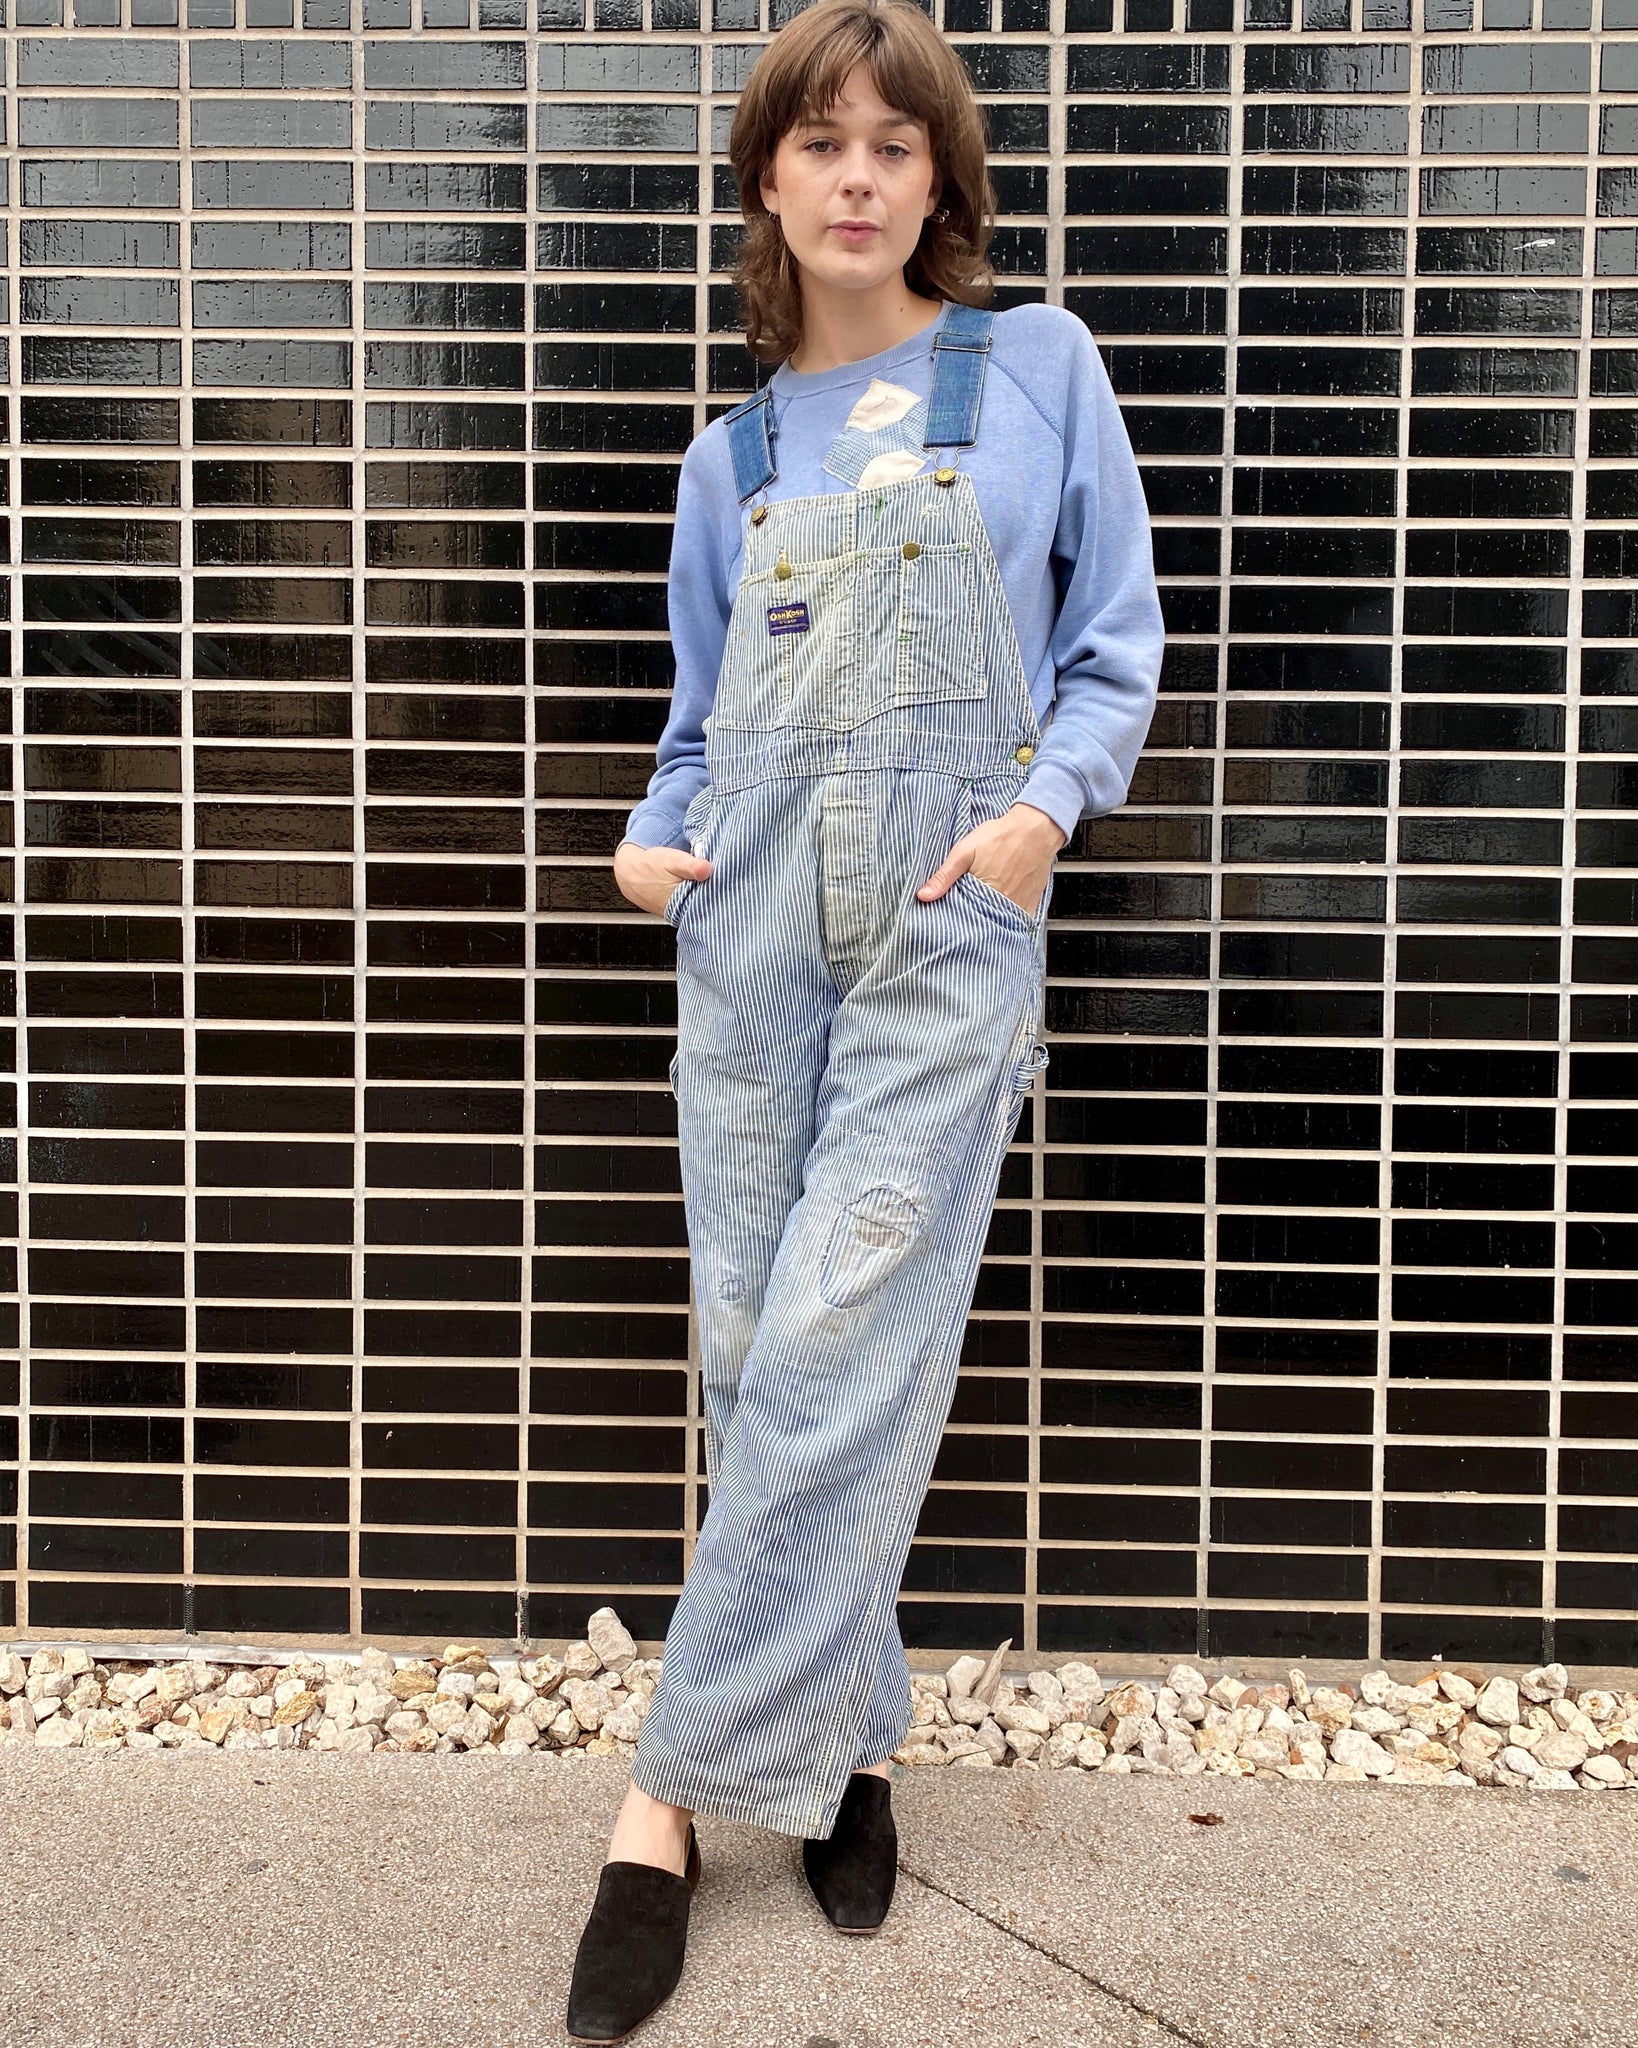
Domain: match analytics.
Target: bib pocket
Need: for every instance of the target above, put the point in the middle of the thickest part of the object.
(939, 651)
(781, 629)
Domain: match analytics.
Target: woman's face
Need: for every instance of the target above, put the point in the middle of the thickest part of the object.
(852, 189)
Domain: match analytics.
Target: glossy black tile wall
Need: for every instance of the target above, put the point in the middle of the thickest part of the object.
(346, 1281)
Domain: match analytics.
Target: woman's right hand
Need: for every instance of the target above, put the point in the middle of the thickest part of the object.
(646, 875)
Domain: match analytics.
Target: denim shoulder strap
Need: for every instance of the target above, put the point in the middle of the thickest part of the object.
(961, 349)
(750, 437)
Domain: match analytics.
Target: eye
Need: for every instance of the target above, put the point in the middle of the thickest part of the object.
(819, 142)
(897, 150)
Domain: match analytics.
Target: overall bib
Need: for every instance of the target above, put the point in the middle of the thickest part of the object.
(850, 1070)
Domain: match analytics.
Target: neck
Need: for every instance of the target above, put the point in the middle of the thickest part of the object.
(845, 326)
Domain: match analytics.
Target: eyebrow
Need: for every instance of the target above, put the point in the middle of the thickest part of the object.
(893, 120)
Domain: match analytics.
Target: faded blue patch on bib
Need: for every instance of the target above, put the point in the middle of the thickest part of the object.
(855, 448)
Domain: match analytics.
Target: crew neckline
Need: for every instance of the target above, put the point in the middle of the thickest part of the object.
(791, 383)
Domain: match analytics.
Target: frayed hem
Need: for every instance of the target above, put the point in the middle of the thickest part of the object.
(803, 1823)
(810, 1823)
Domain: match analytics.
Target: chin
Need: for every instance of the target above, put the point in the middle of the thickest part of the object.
(859, 269)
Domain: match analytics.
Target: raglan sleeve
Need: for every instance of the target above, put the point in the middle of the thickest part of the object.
(699, 600)
(1109, 637)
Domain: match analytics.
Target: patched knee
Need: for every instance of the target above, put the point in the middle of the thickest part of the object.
(869, 1240)
(727, 1286)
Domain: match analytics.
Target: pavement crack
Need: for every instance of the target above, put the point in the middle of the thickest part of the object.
(1121, 1998)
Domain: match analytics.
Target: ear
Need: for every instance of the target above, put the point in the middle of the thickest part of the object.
(769, 191)
(934, 196)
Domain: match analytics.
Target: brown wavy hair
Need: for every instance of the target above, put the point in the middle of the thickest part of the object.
(800, 77)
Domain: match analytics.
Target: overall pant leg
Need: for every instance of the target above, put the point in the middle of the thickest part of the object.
(777, 1647)
(755, 999)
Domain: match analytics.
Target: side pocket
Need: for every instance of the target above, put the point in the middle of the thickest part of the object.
(994, 904)
(698, 822)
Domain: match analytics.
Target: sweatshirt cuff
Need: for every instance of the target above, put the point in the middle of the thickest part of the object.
(1059, 793)
(652, 824)
(1067, 794)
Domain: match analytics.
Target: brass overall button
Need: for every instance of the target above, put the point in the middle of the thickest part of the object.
(783, 569)
(1024, 754)
(759, 515)
(911, 550)
(946, 477)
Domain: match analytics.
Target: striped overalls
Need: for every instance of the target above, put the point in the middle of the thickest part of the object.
(850, 1069)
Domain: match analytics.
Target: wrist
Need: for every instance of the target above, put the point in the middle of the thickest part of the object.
(1042, 823)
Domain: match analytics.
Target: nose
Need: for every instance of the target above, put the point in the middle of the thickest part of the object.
(858, 170)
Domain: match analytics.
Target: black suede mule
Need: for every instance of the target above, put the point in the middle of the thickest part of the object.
(631, 1952)
(852, 1874)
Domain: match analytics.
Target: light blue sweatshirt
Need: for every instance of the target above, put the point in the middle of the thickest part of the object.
(1059, 492)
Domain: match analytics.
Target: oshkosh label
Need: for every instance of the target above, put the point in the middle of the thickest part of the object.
(788, 618)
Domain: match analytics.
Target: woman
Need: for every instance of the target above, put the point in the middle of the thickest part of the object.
(924, 533)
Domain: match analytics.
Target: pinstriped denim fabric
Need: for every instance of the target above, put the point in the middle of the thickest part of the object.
(851, 1066)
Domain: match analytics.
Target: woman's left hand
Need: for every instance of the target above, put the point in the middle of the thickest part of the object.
(1012, 853)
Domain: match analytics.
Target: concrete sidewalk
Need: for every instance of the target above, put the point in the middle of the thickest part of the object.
(185, 1901)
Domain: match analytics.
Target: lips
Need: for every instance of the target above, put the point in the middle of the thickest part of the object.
(854, 231)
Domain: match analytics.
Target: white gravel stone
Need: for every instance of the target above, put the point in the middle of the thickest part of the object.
(625, 1722)
(1560, 1750)
(1330, 1709)
(1498, 1704)
(588, 1702)
(1080, 1683)
(610, 1638)
(1548, 1682)
(1352, 1747)
(545, 1674)
(1021, 1715)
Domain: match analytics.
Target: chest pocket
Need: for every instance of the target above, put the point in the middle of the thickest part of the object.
(783, 628)
(939, 653)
